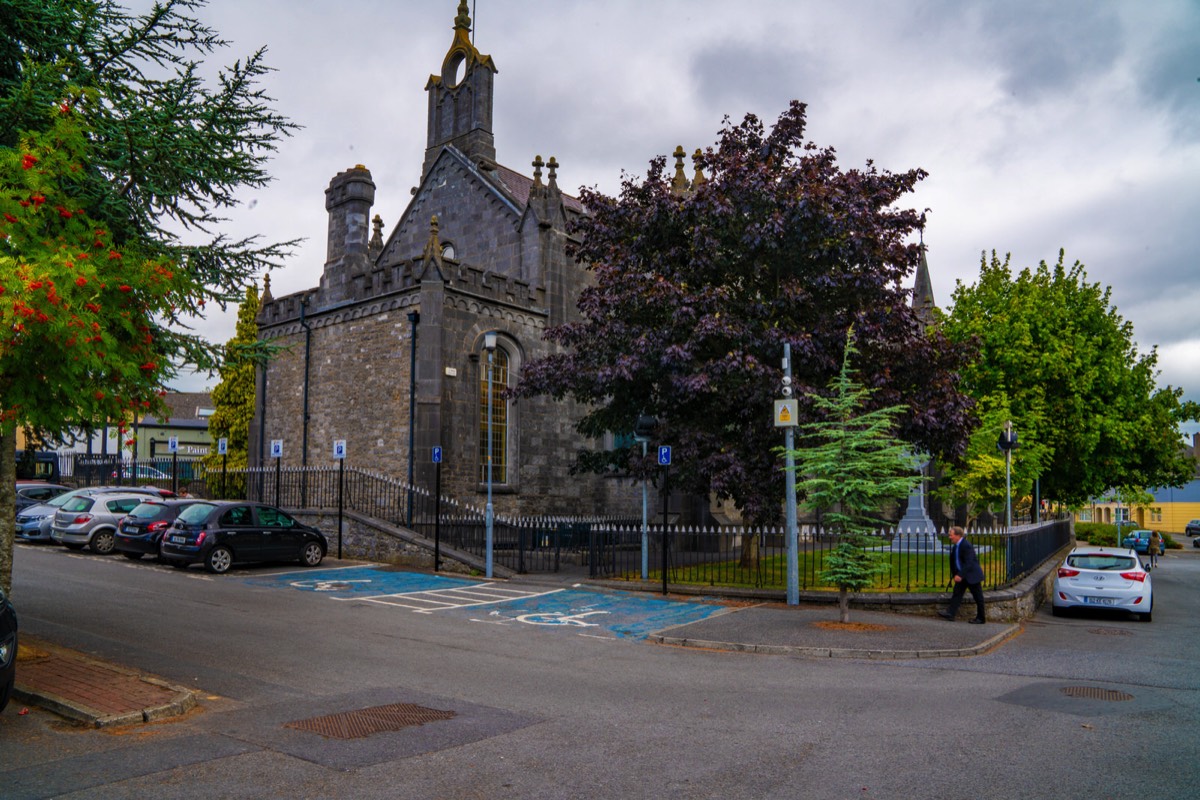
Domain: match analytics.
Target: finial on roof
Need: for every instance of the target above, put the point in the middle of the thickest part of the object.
(679, 184)
(376, 244)
(552, 165)
(266, 292)
(537, 170)
(463, 20)
(700, 177)
(433, 254)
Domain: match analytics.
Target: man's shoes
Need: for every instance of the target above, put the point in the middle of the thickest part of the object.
(977, 621)
(946, 615)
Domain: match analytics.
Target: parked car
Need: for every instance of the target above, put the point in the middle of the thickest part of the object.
(91, 520)
(1103, 577)
(222, 533)
(141, 473)
(32, 493)
(1139, 540)
(140, 532)
(8, 649)
(1192, 528)
(34, 522)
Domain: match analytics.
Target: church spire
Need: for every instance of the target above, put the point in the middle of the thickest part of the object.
(922, 301)
(460, 99)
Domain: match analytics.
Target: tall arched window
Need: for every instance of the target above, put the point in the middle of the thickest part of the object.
(499, 417)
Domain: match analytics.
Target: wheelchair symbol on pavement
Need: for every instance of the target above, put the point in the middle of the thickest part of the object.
(326, 586)
(559, 618)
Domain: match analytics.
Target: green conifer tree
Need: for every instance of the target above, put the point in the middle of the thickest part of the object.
(852, 467)
(233, 402)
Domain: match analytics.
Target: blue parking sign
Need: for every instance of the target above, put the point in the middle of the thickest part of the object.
(664, 456)
(437, 455)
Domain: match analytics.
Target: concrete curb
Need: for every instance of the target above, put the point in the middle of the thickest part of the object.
(837, 652)
(182, 699)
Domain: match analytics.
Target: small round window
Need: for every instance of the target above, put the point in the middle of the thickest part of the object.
(447, 250)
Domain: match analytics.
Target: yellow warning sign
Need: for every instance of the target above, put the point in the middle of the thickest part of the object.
(785, 413)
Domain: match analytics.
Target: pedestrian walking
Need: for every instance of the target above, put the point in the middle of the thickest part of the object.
(1153, 548)
(964, 566)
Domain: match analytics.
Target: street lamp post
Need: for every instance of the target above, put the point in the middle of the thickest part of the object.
(489, 344)
(642, 431)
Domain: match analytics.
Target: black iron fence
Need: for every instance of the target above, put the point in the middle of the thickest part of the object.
(607, 547)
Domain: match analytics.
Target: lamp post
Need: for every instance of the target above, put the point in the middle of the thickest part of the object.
(1008, 443)
(489, 344)
(642, 431)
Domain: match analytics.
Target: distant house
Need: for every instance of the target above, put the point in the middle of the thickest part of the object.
(187, 422)
(1171, 510)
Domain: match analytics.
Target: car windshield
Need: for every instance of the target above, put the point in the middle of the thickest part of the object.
(148, 511)
(195, 513)
(81, 503)
(1100, 561)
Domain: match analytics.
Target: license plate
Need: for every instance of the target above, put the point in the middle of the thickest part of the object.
(178, 539)
(129, 529)
(1102, 601)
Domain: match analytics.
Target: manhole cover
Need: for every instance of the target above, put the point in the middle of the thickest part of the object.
(1111, 632)
(1095, 693)
(367, 721)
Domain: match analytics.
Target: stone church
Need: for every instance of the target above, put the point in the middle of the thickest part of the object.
(396, 330)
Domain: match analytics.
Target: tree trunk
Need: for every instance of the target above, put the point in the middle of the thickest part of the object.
(8, 502)
(750, 552)
(844, 605)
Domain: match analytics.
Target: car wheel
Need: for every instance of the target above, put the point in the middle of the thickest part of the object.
(219, 560)
(311, 555)
(132, 556)
(103, 542)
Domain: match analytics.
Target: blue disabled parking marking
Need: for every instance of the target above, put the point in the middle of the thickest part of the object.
(354, 582)
(623, 615)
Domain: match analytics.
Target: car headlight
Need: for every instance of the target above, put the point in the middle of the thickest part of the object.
(7, 649)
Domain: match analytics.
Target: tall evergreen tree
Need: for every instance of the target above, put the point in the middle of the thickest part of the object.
(233, 398)
(122, 160)
(852, 467)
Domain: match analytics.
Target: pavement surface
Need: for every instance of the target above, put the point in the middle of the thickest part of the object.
(100, 694)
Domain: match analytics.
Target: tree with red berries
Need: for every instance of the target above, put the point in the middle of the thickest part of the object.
(698, 285)
(116, 163)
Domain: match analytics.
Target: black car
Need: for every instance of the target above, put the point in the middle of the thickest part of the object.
(140, 532)
(32, 493)
(1192, 528)
(8, 649)
(220, 533)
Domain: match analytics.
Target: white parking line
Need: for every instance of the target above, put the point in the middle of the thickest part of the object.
(427, 602)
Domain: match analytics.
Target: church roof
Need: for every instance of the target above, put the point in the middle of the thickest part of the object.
(518, 186)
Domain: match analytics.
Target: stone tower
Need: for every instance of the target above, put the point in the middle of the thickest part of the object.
(460, 99)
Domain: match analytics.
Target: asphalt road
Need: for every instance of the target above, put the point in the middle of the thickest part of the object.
(559, 711)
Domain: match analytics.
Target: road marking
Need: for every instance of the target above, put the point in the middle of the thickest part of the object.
(559, 618)
(427, 602)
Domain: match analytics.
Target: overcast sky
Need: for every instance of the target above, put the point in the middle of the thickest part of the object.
(1043, 124)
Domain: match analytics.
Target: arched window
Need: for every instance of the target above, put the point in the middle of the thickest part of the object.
(499, 416)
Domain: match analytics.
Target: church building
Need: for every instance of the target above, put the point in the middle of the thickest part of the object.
(400, 332)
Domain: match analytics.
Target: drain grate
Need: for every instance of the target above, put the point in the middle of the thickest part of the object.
(1095, 693)
(1110, 631)
(367, 721)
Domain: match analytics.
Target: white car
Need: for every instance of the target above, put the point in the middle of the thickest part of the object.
(1104, 577)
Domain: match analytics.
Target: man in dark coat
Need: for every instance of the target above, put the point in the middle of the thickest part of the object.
(964, 566)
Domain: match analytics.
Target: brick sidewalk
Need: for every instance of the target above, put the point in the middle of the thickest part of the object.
(87, 690)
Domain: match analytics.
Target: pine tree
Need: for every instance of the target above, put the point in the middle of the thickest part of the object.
(233, 399)
(853, 466)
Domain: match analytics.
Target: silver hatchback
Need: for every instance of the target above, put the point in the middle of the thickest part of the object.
(91, 520)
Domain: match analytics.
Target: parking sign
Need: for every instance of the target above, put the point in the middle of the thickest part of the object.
(173, 444)
(664, 456)
(339, 448)
(222, 446)
(437, 455)
(277, 448)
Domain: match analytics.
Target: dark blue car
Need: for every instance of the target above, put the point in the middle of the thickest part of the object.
(8, 649)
